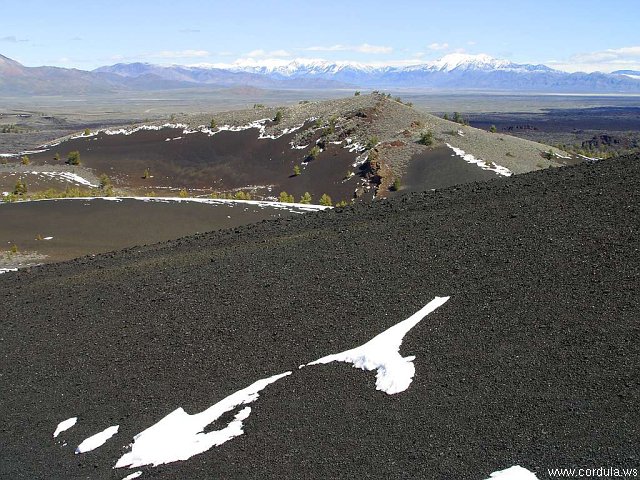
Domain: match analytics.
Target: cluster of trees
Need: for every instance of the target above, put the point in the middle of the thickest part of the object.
(10, 129)
(306, 198)
(239, 195)
(456, 118)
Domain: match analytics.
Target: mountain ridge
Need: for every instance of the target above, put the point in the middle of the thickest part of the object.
(452, 72)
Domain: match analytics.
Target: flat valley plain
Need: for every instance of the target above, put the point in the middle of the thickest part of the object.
(556, 116)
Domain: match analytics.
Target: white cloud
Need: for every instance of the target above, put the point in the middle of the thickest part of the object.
(268, 54)
(12, 39)
(363, 48)
(625, 58)
(182, 54)
(438, 46)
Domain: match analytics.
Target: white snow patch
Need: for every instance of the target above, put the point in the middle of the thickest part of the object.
(382, 353)
(590, 159)
(513, 473)
(97, 440)
(65, 425)
(48, 238)
(180, 436)
(133, 475)
(467, 157)
(68, 176)
(290, 207)
(360, 160)
(5, 270)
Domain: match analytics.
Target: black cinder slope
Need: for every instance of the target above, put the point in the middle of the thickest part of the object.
(533, 361)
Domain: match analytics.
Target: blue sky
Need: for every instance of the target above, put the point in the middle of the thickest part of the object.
(572, 35)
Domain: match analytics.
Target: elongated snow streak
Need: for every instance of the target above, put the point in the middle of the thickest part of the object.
(382, 353)
(467, 157)
(65, 425)
(513, 473)
(133, 475)
(5, 270)
(290, 207)
(180, 436)
(97, 440)
(68, 176)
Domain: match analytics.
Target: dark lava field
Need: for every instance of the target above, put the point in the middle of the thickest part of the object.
(534, 360)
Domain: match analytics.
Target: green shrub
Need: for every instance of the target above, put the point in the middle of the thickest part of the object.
(105, 181)
(213, 124)
(372, 142)
(493, 129)
(278, 117)
(146, 174)
(240, 195)
(56, 157)
(357, 93)
(87, 132)
(306, 198)
(296, 170)
(20, 188)
(313, 154)
(73, 158)
(426, 138)
(286, 198)
(326, 200)
(342, 203)
(183, 193)
(396, 185)
(25, 160)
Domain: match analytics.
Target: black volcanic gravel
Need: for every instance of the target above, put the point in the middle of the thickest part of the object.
(533, 361)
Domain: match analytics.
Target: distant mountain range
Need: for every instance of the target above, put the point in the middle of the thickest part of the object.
(452, 72)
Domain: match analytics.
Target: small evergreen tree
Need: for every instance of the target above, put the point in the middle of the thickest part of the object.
(313, 154)
(396, 185)
(213, 124)
(357, 94)
(146, 174)
(20, 188)
(87, 132)
(183, 193)
(372, 142)
(25, 160)
(56, 157)
(278, 117)
(105, 181)
(296, 170)
(326, 200)
(73, 158)
(426, 138)
(286, 198)
(493, 129)
(446, 116)
(306, 198)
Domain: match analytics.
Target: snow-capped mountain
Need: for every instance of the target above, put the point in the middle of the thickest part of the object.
(451, 72)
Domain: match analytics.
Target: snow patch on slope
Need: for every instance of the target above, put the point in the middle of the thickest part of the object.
(180, 436)
(513, 473)
(68, 176)
(64, 425)
(97, 440)
(382, 353)
(467, 157)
